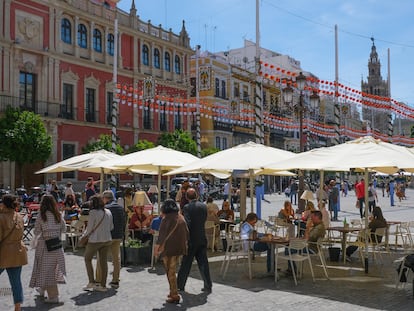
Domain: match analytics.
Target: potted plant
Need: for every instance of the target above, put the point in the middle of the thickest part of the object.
(136, 252)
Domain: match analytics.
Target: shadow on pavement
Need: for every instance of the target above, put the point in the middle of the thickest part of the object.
(91, 297)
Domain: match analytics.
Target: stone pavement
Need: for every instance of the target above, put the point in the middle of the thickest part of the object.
(141, 288)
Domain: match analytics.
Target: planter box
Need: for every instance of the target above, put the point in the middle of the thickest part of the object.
(136, 256)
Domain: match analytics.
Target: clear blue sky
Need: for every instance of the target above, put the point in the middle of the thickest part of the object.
(303, 29)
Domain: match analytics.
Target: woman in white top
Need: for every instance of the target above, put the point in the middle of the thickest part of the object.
(100, 225)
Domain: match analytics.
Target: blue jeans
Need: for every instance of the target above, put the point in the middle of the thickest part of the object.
(15, 282)
(263, 247)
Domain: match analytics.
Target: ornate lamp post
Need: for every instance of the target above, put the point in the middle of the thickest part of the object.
(300, 110)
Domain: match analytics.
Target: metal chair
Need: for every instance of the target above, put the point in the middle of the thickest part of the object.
(211, 237)
(320, 245)
(236, 249)
(73, 231)
(298, 251)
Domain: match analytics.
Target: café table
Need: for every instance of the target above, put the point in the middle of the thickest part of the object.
(344, 231)
(274, 242)
(225, 224)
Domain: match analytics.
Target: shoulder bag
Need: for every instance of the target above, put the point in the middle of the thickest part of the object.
(53, 244)
(85, 239)
(162, 246)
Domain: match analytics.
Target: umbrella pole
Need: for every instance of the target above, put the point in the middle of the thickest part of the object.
(101, 181)
(251, 190)
(366, 219)
(159, 191)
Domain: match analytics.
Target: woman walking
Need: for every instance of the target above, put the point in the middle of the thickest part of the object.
(171, 244)
(13, 254)
(100, 225)
(49, 268)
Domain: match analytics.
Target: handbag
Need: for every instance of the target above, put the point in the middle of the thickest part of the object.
(53, 244)
(85, 239)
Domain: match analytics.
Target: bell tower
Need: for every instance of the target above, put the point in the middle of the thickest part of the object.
(375, 85)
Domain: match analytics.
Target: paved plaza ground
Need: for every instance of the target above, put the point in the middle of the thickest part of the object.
(349, 287)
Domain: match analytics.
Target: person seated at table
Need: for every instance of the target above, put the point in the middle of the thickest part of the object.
(71, 208)
(287, 214)
(156, 223)
(377, 221)
(140, 224)
(306, 220)
(313, 233)
(226, 213)
(247, 232)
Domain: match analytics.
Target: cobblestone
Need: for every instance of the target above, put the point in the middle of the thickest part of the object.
(141, 288)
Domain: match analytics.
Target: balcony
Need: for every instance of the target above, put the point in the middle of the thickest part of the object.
(222, 126)
(42, 108)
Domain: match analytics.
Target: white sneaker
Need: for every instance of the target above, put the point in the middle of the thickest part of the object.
(100, 288)
(90, 286)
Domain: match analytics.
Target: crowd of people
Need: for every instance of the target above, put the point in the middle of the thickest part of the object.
(180, 228)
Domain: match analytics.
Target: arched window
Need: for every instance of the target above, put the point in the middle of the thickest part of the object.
(97, 40)
(177, 64)
(167, 61)
(66, 31)
(145, 56)
(110, 44)
(82, 36)
(157, 58)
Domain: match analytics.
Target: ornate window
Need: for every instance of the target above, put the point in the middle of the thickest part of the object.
(27, 92)
(97, 40)
(145, 55)
(110, 44)
(82, 36)
(147, 115)
(223, 89)
(90, 105)
(167, 61)
(66, 109)
(217, 87)
(157, 58)
(177, 65)
(163, 117)
(66, 31)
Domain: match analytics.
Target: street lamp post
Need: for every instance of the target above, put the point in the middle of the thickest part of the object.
(300, 109)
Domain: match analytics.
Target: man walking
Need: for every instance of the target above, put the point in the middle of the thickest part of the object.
(360, 194)
(195, 214)
(333, 199)
(118, 216)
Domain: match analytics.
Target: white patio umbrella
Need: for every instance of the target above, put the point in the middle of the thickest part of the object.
(153, 161)
(365, 154)
(87, 162)
(249, 157)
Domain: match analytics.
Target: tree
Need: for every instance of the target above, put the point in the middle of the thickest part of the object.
(103, 142)
(178, 140)
(24, 138)
(207, 151)
(141, 145)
